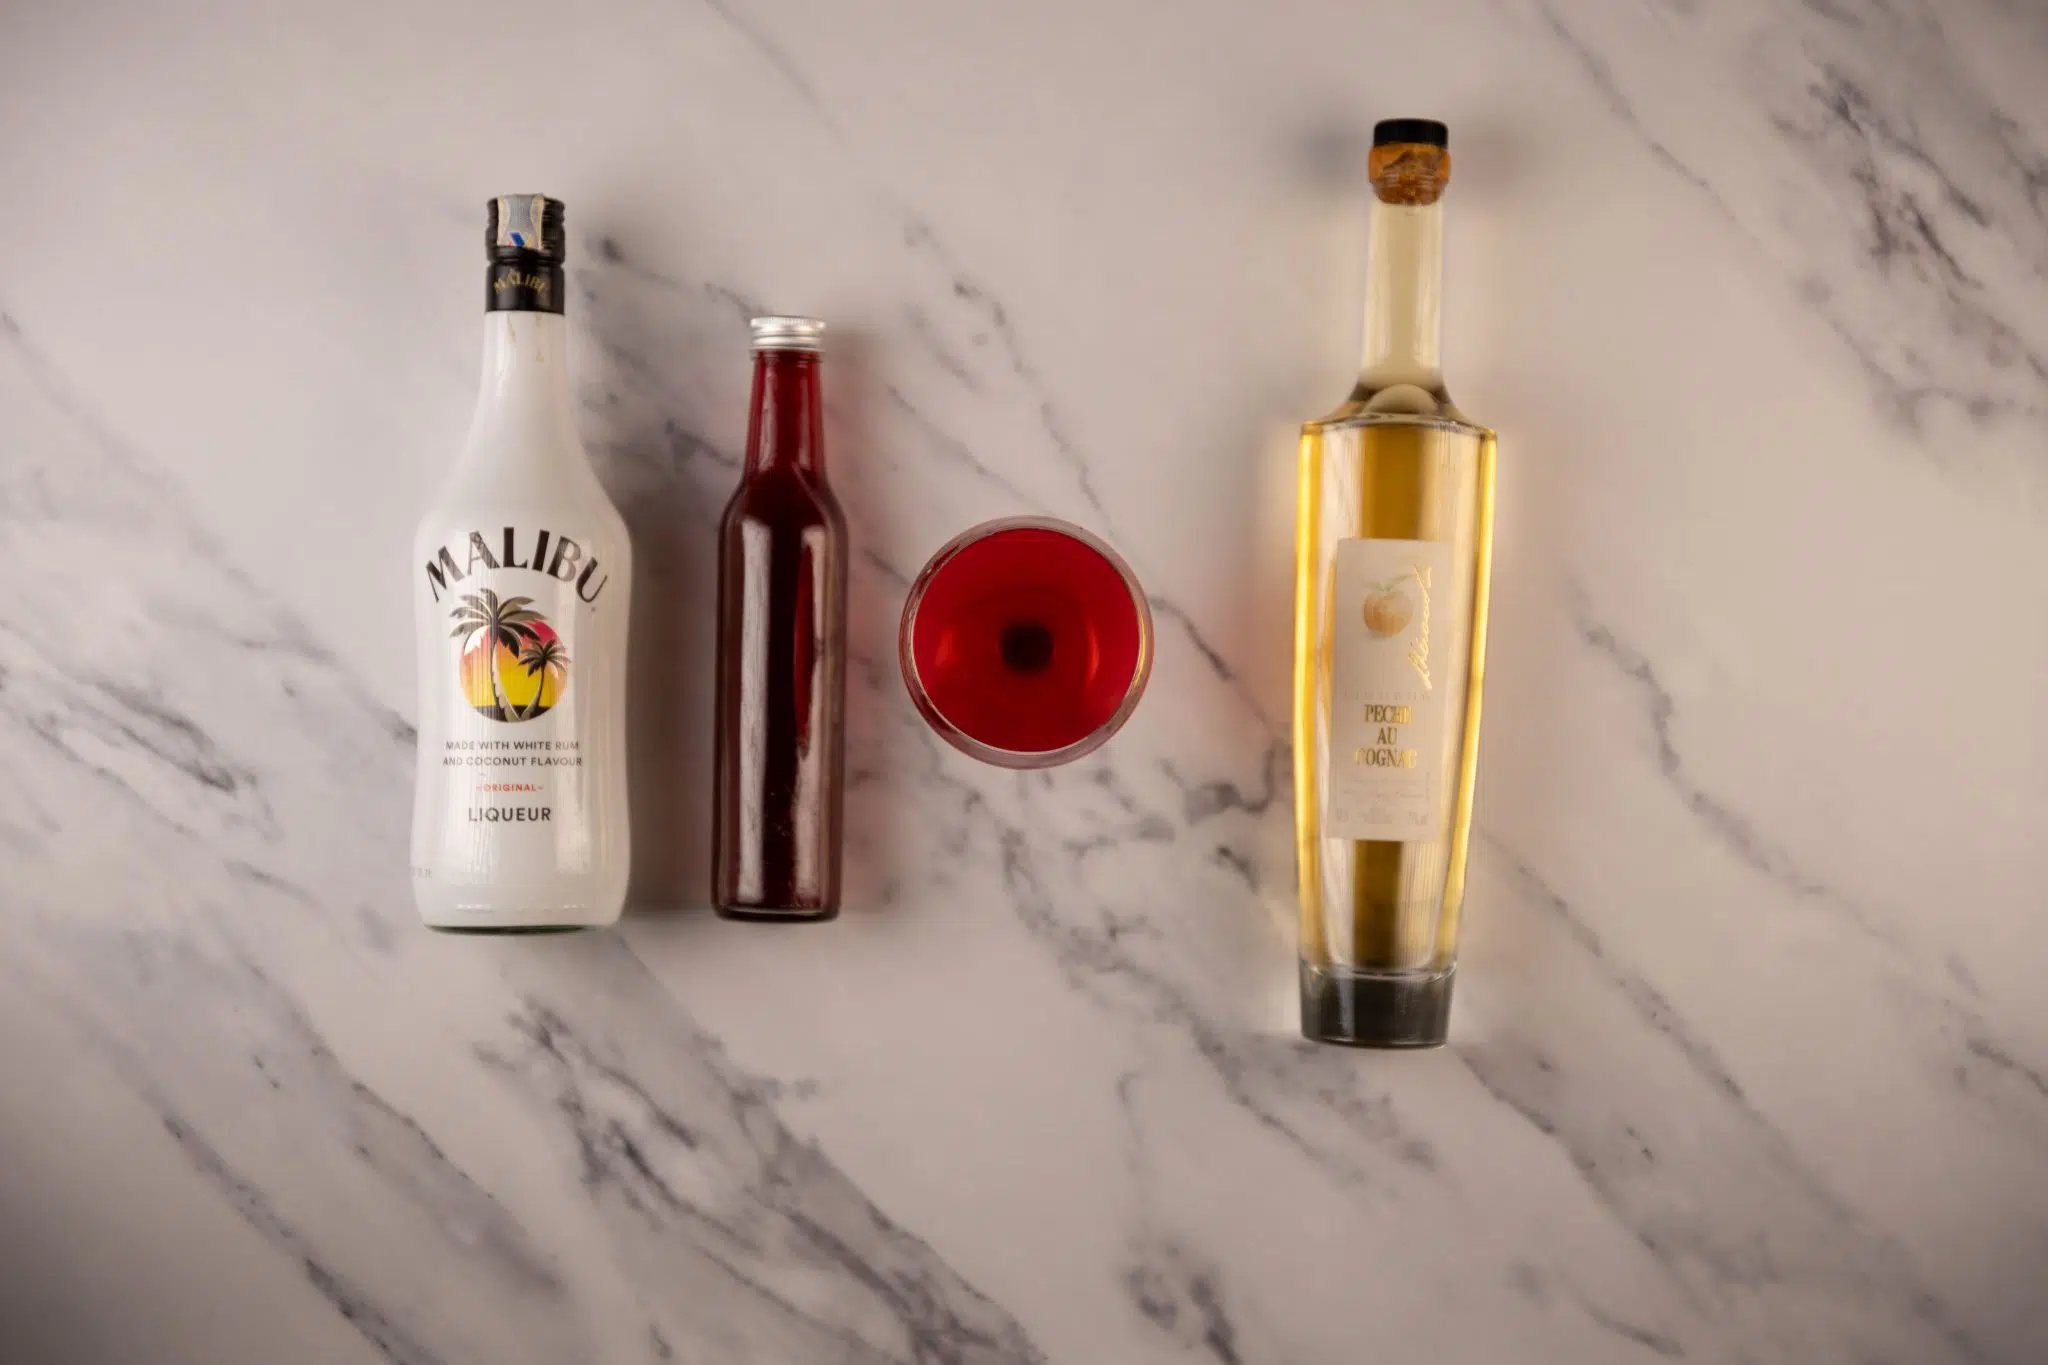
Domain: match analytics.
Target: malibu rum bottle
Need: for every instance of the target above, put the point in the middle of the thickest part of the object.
(521, 579)
(1392, 550)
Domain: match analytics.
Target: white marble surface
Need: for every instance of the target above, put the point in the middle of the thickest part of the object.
(1751, 1057)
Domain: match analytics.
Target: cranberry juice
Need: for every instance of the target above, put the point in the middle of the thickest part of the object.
(1027, 639)
(781, 656)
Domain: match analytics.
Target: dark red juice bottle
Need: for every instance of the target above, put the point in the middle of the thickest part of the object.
(781, 650)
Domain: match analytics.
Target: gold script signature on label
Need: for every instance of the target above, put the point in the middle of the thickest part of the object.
(1418, 650)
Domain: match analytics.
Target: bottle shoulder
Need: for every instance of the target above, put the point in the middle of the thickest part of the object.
(460, 513)
(1398, 404)
(785, 499)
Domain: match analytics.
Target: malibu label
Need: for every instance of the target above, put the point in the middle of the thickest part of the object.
(571, 562)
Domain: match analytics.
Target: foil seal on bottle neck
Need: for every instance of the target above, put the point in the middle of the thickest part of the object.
(788, 334)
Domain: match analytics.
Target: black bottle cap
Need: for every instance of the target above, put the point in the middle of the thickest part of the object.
(525, 225)
(1424, 130)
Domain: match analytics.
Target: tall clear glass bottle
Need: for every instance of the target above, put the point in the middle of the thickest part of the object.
(1392, 554)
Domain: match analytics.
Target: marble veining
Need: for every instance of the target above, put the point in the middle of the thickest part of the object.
(1748, 1062)
(1879, 155)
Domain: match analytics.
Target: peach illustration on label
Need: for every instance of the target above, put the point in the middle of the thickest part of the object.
(1388, 610)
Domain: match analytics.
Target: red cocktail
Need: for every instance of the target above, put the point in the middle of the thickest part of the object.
(1026, 642)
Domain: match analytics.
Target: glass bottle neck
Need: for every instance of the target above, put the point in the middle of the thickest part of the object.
(524, 394)
(787, 428)
(1403, 296)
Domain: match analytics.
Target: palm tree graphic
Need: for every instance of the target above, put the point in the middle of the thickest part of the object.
(543, 657)
(506, 623)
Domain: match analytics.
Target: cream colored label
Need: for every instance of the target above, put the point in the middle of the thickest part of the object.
(1388, 639)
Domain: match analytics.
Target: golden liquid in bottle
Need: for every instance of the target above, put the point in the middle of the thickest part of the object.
(1379, 917)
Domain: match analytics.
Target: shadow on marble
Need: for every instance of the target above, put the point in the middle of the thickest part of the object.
(646, 463)
(854, 456)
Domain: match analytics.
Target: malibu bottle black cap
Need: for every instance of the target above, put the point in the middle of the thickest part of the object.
(525, 223)
(524, 240)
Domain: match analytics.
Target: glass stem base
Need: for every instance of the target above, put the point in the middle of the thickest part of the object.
(1353, 1007)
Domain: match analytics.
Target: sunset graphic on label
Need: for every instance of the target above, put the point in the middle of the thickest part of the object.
(514, 664)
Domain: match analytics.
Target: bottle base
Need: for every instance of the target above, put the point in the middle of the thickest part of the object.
(772, 914)
(1353, 1007)
(514, 910)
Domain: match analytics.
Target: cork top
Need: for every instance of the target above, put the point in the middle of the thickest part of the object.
(1410, 161)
